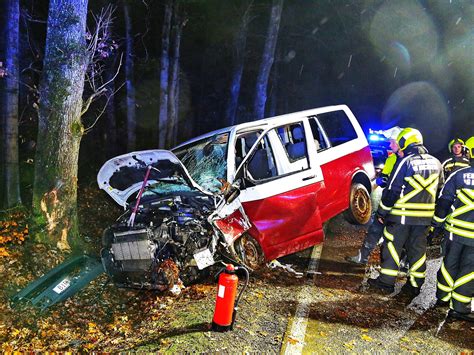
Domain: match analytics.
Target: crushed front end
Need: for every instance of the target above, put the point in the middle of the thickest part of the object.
(163, 245)
(168, 233)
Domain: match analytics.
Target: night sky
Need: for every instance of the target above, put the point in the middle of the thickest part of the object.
(404, 62)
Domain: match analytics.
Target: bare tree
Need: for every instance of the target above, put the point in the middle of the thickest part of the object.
(267, 59)
(164, 73)
(173, 102)
(70, 62)
(240, 43)
(130, 106)
(11, 181)
(110, 132)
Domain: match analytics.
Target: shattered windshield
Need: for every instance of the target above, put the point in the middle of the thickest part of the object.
(169, 186)
(206, 160)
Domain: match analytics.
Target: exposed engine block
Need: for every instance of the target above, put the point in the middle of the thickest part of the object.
(159, 248)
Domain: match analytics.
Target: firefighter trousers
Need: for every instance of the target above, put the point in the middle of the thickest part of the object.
(456, 276)
(412, 238)
(373, 236)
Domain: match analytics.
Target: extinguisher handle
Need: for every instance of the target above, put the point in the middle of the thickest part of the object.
(216, 276)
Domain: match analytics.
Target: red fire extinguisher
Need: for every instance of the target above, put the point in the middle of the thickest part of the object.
(226, 308)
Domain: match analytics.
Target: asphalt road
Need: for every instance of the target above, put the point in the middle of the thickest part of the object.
(343, 316)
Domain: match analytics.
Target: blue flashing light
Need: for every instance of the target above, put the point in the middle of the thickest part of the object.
(374, 138)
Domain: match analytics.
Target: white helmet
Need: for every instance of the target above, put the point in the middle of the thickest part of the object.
(392, 133)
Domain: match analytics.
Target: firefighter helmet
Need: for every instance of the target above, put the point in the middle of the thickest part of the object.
(409, 136)
(470, 146)
(453, 142)
(392, 133)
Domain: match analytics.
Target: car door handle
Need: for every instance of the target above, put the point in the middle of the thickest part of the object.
(309, 177)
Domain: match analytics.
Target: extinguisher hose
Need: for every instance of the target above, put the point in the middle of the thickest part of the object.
(247, 277)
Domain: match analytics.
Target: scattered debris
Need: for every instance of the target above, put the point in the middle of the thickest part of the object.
(288, 267)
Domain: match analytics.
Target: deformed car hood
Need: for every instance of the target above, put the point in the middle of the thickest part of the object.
(123, 175)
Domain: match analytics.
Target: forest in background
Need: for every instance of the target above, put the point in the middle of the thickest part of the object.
(166, 71)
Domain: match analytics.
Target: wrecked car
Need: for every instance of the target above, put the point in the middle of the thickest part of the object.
(249, 193)
(167, 233)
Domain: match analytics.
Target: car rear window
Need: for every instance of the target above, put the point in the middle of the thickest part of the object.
(337, 126)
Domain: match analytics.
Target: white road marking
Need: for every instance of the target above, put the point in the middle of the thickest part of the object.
(392, 332)
(295, 338)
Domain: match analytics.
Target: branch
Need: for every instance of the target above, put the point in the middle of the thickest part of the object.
(115, 75)
(90, 99)
(100, 90)
(103, 110)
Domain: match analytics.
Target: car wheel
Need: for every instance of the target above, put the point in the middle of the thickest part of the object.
(360, 205)
(249, 252)
(107, 237)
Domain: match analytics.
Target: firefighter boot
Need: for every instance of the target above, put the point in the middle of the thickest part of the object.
(461, 316)
(362, 256)
(441, 304)
(380, 287)
(408, 293)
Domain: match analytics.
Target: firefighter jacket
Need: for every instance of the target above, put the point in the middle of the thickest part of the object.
(411, 191)
(455, 206)
(387, 170)
(454, 163)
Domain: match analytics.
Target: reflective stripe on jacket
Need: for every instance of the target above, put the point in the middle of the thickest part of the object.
(412, 187)
(455, 206)
(453, 164)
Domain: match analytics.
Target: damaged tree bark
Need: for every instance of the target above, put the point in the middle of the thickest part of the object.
(60, 128)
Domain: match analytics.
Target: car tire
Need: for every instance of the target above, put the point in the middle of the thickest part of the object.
(249, 252)
(360, 205)
(107, 238)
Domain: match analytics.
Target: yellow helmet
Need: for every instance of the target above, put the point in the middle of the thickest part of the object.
(470, 145)
(409, 136)
(453, 142)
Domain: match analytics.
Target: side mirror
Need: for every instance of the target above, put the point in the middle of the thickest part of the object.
(232, 192)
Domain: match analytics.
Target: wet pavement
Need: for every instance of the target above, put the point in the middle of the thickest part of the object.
(344, 316)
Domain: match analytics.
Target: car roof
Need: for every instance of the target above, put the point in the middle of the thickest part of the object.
(275, 120)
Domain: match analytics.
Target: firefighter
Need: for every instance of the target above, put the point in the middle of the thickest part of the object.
(458, 159)
(406, 209)
(455, 210)
(374, 233)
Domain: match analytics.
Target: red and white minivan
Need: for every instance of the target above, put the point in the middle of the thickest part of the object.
(248, 193)
(294, 171)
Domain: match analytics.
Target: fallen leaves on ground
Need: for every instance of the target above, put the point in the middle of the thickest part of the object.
(13, 230)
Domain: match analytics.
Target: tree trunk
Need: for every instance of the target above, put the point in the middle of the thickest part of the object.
(267, 59)
(130, 107)
(173, 108)
(274, 79)
(10, 101)
(60, 128)
(164, 74)
(240, 43)
(110, 135)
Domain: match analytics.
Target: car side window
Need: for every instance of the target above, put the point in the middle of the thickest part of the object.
(261, 165)
(293, 139)
(337, 126)
(318, 134)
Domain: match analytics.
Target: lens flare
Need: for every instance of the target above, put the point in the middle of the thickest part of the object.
(420, 105)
